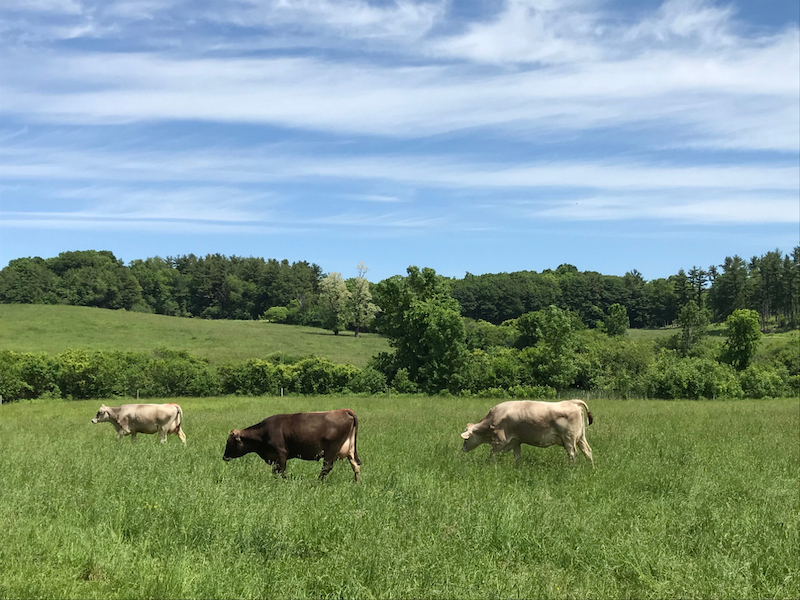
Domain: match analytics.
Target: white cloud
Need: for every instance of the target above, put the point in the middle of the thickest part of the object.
(708, 23)
(731, 97)
(346, 18)
(753, 210)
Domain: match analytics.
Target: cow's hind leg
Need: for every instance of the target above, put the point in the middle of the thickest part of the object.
(181, 435)
(356, 467)
(569, 446)
(584, 447)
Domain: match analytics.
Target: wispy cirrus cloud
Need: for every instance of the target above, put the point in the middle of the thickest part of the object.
(263, 116)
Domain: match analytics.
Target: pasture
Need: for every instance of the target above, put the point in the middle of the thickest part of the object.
(55, 328)
(688, 499)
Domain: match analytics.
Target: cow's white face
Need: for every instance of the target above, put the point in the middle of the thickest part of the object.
(472, 439)
(102, 415)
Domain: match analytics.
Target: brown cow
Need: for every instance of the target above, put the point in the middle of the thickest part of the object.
(330, 435)
(543, 424)
(130, 419)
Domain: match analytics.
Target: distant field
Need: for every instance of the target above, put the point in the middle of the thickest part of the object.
(53, 329)
(687, 500)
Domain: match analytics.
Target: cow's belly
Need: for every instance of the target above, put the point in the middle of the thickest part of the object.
(144, 427)
(149, 425)
(538, 437)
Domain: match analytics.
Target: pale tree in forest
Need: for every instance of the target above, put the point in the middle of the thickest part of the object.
(694, 322)
(334, 302)
(362, 310)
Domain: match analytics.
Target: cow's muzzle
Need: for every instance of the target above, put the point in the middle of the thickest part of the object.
(226, 458)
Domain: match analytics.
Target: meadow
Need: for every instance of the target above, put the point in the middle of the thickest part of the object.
(688, 499)
(54, 329)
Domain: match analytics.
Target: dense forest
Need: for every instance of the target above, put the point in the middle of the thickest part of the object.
(523, 334)
(221, 287)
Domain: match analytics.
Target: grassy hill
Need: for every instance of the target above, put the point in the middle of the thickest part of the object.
(53, 329)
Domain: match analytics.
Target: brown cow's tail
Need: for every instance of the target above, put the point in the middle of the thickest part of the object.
(588, 412)
(355, 436)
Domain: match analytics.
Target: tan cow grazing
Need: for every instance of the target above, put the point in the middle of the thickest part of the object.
(543, 424)
(130, 419)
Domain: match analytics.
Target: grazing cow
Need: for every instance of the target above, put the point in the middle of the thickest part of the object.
(510, 424)
(130, 419)
(329, 435)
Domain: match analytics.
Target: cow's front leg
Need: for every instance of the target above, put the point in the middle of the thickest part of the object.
(517, 452)
(281, 464)
(133, 436)
(326, 468)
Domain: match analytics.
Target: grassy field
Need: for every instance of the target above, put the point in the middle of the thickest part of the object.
(688, 499)
(54, 329)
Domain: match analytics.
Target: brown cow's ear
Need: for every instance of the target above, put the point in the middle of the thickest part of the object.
(465, 435)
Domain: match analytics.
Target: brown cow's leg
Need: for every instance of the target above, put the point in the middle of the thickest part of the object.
(133, 436)
(281, 465)
(356, 468)
(326, 468)
(181, 435)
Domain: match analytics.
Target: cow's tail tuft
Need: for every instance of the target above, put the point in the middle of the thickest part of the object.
(355, 436)
(588, 412)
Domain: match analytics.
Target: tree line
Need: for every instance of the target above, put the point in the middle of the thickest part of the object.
(222, 287)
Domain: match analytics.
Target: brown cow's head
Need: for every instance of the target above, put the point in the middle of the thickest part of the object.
(235, 446)
(473, 437)
(102, 415)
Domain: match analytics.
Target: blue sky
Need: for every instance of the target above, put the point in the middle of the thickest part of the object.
(463, 136)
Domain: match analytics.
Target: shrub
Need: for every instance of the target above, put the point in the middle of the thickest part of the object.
(402, 384)
(759, 381)
(368, 381)
(12, 387)
(320, 376)
(672, 377)
(77, 374)
(253, 377)
(532, 391)
(176, 373)
(37, 372)
(276, 314)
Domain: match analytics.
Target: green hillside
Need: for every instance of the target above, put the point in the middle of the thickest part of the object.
(53, 329)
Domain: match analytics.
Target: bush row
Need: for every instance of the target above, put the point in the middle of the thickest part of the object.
(620, 369)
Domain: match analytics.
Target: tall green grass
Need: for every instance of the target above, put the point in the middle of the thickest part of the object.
(688, 499)
(54, 329)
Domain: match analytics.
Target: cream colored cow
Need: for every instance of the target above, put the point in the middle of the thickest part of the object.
(130, 419)
(511, 424)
